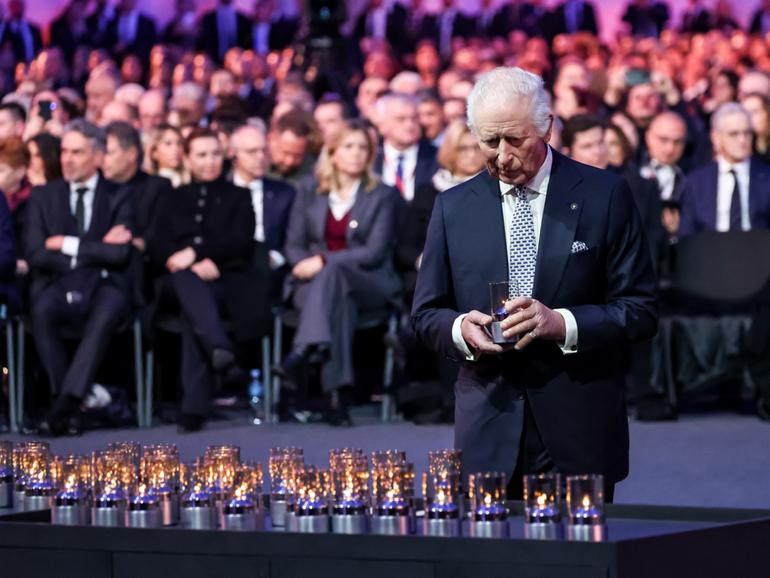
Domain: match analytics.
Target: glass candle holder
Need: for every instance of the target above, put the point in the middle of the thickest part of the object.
(393, 487)
(311, 508)
(443, 499)
(542, 502)
(499, 294)
(488, 512)
(350, 493)
(39, 489)
(72, 503)
(585, 508)
(242, 509)
(443, 486)
(198, 509)
(6, 474)
(113, 475)
(160, 467)
(284, 466)
(143, 510)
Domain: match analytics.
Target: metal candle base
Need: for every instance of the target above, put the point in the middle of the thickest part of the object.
(290, 521)
(539, 531)
(75, 515)
(349, 524)
(587, 532)
(18, 500)
(277, 512)
(42, 502)
(6, 493)
(445, 528)
(497, 334)
(312, 524)
(240, 522)
(112, 517)
(488, 529)
(391, 525)
(198, 518)
(144, 518)
(169, 508)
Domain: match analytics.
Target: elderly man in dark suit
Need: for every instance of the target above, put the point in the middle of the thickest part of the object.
(730, 193)
(24, 36)
(569, 240)
(78, 244)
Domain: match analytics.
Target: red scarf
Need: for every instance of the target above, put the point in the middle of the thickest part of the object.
(18, 198)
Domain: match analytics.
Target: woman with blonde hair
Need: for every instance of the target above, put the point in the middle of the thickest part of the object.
(164, 155)
(340, 249)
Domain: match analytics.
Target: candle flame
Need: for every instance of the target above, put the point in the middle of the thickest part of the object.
(487, 499)
(586, 501)
(441, 497)
(541, 499)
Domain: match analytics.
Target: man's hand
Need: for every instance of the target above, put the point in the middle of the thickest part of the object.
(118, 235)
(54, 243)
(532, 320)
(206, 270)
(670, 219)
(476, 336)
(22, 267)
(139, 243)
(308, 268)
(181, 260)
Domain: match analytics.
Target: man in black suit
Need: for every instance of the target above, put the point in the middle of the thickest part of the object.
(131, 32)
(69, 30)
(204, 240)
(697, 18)
(646, 18)
(574, 16)
(98, 23)
(222, 29)
(531, 17)
(760, 19)
(731, 193)
(569, 240)
(24, 37)
(78, 243)
(272, 31)
(383, 21)
(271, 201)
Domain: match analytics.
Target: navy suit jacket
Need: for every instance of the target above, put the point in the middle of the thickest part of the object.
(277, 199)
(577, 400)
(427, 165)
(699, 198)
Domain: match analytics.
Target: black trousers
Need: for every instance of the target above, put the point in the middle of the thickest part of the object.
(202, 332)
(534, 459)
(54, 319)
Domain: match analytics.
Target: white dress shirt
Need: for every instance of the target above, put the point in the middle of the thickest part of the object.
(537, 190)
(338, 205)
(71, 244)
(666, 177)
(725, 185)
(258, 204)
(408, 167)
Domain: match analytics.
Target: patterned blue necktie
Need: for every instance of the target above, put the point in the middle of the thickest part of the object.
(523, 246)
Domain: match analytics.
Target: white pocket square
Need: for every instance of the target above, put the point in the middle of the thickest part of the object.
(578, 247)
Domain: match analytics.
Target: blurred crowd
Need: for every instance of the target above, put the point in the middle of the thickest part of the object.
(229, 163)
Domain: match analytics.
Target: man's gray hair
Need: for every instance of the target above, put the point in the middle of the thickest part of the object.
(503, 84)
(93, 133)
(727, 109)
(394, 97)
(190, 90)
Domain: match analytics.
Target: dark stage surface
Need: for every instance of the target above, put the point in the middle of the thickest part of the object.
(713, 460)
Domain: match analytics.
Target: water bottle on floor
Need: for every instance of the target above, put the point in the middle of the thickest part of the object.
(256, 396)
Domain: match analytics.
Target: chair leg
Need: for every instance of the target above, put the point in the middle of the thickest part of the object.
(148, 384)
(386, 411)
(12, 392)
(139, 374)
(20, 381)
(267, 379)
(277, 354)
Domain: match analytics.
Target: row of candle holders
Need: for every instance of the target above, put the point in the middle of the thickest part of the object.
(148, 487)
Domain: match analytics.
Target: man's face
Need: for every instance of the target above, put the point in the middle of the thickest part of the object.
(589, 148)
(401, 124)
(119, 164)
(643, 103)
(222, 84)
(249, 148)
(666, 140)
(190, 111)
(369, 91)
(509, 140)
(733, 137)
(152, 111)
(79, 159)
(205, 159)
(753, 83)
(431, 118)
(98, 93)
(9, 126)
(329, 118)
(288, 151)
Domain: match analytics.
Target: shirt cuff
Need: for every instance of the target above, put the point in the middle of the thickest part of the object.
(70, 246)
(276, 259)
(571, 332)
(457, 337)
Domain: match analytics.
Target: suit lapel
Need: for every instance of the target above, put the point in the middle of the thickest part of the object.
(320, 211)
(557, 230)
(757, 187)
(267, 209)
(358, 211)
(100, 213)
(710, 199)
(64, 211)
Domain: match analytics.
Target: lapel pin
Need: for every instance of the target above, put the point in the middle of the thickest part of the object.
(354, 224)
(573, 206)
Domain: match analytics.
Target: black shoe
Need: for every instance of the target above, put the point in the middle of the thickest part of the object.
(763, 409)
(655, 410)
(75, 424)
(188, 422)
(65, 409)
(222, 360)
(292, 371)
(339, 408)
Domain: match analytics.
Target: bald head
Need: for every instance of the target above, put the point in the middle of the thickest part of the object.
(666, 137)
(249, 149)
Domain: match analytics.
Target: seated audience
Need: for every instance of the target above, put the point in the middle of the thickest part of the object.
(340, 248)
(164, 157)
(44, 159)
(204, 239)
(78, 241)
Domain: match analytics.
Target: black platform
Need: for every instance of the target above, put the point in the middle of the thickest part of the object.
(643, 541)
